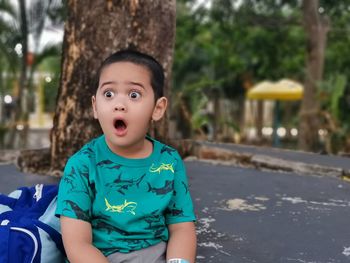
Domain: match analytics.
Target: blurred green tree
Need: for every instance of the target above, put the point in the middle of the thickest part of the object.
(17, 24)
(232, 44)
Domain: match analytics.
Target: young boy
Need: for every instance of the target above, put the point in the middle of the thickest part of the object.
(124, 196)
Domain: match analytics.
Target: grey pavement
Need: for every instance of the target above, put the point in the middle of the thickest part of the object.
(289, 155)
(11, 178)
(245, 215)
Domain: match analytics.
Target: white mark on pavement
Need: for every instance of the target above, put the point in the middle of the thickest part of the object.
(346, 251)
(210, 244)
(206, 221)
(294, 200)
(318, 208)
(213, 245)
(242, 205)
(332, 202)
(205, 210)
(261, 198)
(301, 260)
(209, 235)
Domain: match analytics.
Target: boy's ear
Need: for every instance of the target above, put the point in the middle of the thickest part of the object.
(93, 102)
(159, 109)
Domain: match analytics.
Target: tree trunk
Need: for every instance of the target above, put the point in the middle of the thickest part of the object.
(94, 29)
(316, 28)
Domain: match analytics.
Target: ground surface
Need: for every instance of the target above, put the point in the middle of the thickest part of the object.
(247, 215)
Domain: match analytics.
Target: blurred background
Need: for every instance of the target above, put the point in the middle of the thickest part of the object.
(239, 72)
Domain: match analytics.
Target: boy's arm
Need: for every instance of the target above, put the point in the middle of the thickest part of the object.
(77, 241)
(182, 241)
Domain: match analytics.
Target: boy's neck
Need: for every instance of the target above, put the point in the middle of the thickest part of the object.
(140, 150)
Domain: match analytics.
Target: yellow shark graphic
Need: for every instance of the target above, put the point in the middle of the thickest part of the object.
(127, 207)
(161, 167)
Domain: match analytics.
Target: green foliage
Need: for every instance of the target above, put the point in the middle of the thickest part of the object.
(8, 37)
(331, 93)
(50, 94)
(198, 118)
(234, 44)
(335, 105)
(40, 14)
(51, 64)
(338, 103)
(337, 94)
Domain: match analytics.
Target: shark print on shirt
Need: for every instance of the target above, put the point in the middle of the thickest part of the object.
(167, 188)
(108, 228)
(123, 185)
(108, 164)
(88, 152)
(168, 150)
(162, 167)
(153, 218)
(126, 207)
(175, 211)
(80, 213)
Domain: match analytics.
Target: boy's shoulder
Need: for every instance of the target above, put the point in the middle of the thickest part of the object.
(87, 153)
(165, 148)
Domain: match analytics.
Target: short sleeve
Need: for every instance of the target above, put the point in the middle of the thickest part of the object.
(74, 194)
(180, 208)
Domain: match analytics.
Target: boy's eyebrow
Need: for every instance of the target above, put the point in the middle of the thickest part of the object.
(136, 83)
(129, 82)
(107, 82)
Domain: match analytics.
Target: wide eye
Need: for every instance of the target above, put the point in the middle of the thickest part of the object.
(108, 94)
(134, 95)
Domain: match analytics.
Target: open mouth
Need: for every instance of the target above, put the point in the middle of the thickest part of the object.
(119, 125)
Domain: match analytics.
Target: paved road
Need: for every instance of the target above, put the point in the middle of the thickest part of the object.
(289, 155)
(11, 179)
(245, 215)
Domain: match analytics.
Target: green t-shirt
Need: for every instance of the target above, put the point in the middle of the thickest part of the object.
(128, 202)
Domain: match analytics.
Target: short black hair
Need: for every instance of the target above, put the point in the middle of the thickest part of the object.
(151, 64)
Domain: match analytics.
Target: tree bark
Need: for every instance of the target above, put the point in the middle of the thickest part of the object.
(94, 29)
(316, 28)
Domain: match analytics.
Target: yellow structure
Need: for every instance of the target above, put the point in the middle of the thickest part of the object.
(284, 89)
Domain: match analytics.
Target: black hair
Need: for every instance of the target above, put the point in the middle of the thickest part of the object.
(151, 64)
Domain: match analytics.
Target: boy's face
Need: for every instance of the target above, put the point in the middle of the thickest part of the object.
(124, 104)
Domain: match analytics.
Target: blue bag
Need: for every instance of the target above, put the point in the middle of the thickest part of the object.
(29, 229)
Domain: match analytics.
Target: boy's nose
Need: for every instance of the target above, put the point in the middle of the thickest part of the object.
(119, 108)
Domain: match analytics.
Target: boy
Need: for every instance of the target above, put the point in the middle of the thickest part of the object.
(124, 196)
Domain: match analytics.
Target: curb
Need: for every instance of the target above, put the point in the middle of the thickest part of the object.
(217, 155)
